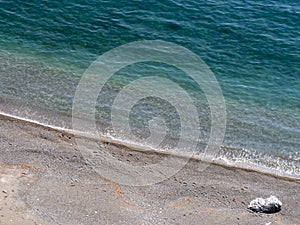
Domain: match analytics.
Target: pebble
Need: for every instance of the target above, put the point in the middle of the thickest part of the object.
(269, 205)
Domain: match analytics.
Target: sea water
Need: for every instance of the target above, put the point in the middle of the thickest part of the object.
(252, 48)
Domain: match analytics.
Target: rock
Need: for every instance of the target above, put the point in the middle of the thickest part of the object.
(269, 205)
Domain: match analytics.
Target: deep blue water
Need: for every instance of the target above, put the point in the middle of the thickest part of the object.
(252, 47)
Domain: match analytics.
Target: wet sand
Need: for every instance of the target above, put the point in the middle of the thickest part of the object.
(45, 180)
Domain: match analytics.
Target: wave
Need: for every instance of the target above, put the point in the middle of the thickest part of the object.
(242, 158)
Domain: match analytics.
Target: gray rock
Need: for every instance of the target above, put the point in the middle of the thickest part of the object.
(269, 205)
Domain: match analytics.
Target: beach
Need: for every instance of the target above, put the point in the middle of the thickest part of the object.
(45, 180)
(149, 112)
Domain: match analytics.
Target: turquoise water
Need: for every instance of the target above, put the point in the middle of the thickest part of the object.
(252, 47)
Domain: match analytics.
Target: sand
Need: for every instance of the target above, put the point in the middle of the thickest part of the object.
(45, 180)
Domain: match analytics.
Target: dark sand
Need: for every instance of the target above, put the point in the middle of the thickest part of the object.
(45, 180)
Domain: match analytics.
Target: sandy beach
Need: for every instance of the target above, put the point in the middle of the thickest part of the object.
(45, 180)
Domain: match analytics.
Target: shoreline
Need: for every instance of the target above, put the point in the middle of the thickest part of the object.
(145, 149)
(53, 183)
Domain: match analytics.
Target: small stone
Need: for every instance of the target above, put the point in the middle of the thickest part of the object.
(4, 191)
(269, 205)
